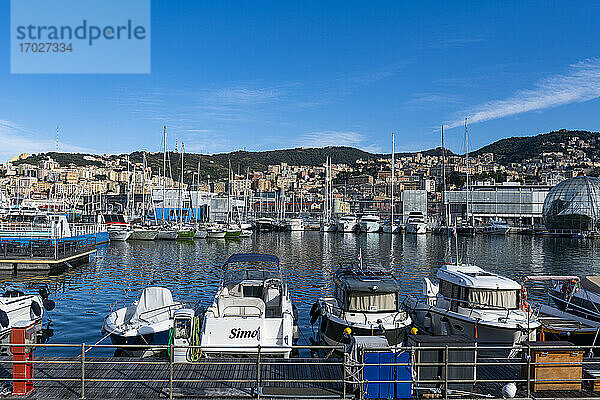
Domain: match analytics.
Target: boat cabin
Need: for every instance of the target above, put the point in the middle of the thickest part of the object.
(366, 291)
(469, 286)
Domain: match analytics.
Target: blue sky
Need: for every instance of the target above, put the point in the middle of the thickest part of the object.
(270, 75)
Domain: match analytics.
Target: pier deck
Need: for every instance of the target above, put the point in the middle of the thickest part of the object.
(131, 378)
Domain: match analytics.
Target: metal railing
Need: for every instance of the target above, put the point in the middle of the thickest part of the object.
(45, 249)
(439, 371)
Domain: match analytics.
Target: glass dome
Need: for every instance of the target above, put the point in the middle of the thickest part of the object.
(573, 204)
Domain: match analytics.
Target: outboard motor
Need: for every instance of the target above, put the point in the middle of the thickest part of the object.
(183, 334)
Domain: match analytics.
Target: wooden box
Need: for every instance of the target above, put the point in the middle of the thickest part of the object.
(553, 368)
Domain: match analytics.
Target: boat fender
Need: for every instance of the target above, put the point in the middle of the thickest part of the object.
(4, 321)
(49, 304)
(36, 309)
(315, 317)
(314, 308)
(295, 312)
(427, 321)
(44, 293)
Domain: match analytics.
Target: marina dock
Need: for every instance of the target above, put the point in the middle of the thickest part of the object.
(275, 378)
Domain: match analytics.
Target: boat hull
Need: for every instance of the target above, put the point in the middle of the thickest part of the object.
(186, 234)
(347, 226)
(370, 227)
(167, 235)
(416, 228)
(200, 234)
(119, 235)
(215, 234)
(331, 332)
(143, 234)
(392, 229)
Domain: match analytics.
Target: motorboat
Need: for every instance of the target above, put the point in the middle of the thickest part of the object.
(366, 300)
(577, 296)
(369, 224)
(118, 229)
(295, 224)
(16, 307)
(252, 308)
(142, 233)
(328, 226)
(167, 233)
(347, 223)
(145, 322)
(496, 227)
(415, 223)
(215, 231)
(470, 301)
(201, 232)
(465, 230)
(246, 233)
(265, 224)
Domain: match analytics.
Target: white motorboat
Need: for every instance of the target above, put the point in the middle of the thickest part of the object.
(369, 224)
(576, 296)
(167, 233)
(295, 224)
(201, 233)
(246, 226)
(215, 231)
(16, 306)
(470, 301)
(118, 229)
(145, 322)
(416, 223)
(347, 223)
(140, 233)
(252, 307)
(367, 302)
(328, 227)
(496, 227)
(246, 233)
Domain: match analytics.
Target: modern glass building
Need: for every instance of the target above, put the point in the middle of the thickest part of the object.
(573, 204)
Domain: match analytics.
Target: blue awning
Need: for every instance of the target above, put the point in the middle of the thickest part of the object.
(253, 257)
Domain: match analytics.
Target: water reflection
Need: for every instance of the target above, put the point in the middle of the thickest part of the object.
(191, 270)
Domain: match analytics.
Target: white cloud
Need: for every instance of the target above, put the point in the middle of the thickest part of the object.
(338, 138)
(581, 83)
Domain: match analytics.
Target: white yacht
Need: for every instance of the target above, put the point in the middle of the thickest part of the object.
(201, 232)
(347, 223)
(496, 227)
(265, 224)
(252, 307)
(416, 223)
(367, 302)
(369, 224)
(470, 301)
(167, 233)
(295, 224)
(119, 230)
(328, 227)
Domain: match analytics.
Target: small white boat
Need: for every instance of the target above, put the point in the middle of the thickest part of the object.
(252, 307)
(167, 234)
(118, 229)
(145, 322)
(295, 224)
(496, 227)
(468, 300)
(347, 224)
(140, 233)
(369, 224)
(416, 223)
(215, 231)
(246, 233)
(16, 306)
(201, 233)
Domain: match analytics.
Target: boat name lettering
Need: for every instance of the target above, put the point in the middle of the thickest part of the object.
(238, 333)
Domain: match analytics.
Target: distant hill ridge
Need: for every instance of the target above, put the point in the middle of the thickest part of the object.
(514, 149)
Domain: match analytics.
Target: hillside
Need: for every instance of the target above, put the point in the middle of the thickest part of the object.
(517, 149)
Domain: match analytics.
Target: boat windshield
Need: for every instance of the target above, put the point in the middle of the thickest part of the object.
(372, 302)
(248, 274)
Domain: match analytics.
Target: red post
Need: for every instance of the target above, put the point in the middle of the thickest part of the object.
(22, 333)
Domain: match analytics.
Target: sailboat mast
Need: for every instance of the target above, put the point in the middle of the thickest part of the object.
(393, 179)
(181, 187)
(164, 185)
(445, 213)
(467, 164)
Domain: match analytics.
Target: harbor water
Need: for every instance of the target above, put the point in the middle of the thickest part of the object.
(119, 271)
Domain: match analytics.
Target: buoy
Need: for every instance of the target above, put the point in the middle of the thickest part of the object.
(414, 330)
(509, 390)
(347, 331)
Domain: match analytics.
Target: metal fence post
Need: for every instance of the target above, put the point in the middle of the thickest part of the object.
(446, 372)
(258, 373)
(83, 370)
(171, 359)
(528, 371)
(344, 373)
